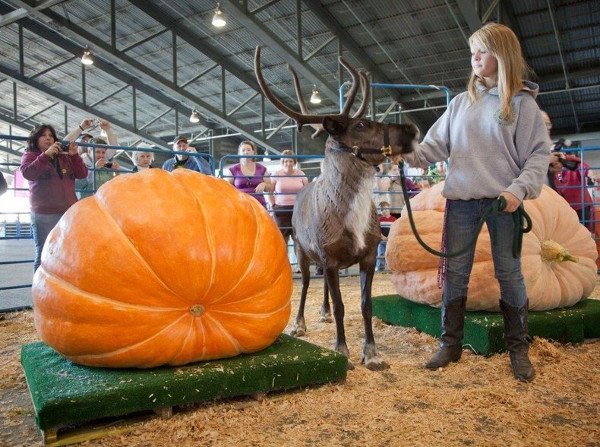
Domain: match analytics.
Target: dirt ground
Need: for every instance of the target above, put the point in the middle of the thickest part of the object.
(475, 402)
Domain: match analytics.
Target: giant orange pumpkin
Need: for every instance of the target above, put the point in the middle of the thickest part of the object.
(558, 256)
(162, 268)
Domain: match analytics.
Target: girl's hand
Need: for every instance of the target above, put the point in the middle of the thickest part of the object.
(512, 203)
(104, 124)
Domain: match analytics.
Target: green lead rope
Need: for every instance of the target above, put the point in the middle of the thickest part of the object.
(521, 221)
(522, 224)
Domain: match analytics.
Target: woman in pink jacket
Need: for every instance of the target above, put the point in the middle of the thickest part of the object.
(571, 183)
(51, 169)
(286, 183)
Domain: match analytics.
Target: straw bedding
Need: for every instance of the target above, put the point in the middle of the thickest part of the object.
(473, 402)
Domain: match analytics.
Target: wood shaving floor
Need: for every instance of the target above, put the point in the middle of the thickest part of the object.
(475, 402)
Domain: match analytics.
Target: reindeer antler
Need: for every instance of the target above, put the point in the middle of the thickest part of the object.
(317, 127)
(298, 91)
(353, 88)
(301, 119)
(364, 88)
(366, 92)
(305, 117)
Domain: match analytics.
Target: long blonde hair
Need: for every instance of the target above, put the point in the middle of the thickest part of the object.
(502, 43)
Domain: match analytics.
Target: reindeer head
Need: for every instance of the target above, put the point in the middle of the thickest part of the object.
(369, 140)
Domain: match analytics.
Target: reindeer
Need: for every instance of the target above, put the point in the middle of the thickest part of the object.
(334, 219)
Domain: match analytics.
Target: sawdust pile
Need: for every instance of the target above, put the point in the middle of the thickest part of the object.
(473, 402)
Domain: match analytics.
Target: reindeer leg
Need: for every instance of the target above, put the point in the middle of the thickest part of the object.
(325, 309)
(333, 281)
(299, 329)
(370, 358)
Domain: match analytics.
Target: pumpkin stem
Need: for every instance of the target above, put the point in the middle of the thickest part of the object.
(554, 252)
(197, 310)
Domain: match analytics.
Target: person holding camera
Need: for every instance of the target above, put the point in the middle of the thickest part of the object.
(104, 170)
(567, 175)
(81, 134)
(555, 165)
(51, 167)
(98, 169)
(571, 183)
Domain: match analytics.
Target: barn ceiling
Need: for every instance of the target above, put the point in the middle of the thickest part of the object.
(156, 61)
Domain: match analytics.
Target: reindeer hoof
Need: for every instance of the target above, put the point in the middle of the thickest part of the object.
(298, 332)
(343, 349)
(326, 318)
(375, 364)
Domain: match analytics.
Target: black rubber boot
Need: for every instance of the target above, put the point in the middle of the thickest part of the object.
(517, 344)
(453, 321)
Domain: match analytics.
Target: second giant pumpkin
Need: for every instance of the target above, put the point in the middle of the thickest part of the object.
(558, 256)
(162, 268)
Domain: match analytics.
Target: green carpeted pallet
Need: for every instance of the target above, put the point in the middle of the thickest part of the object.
(484, 330)
(64, 393)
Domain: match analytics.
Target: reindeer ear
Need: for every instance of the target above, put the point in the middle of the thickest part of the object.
(335, 125)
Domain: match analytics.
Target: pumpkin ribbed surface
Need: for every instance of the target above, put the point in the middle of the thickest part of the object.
(557, 260)
(162, 268)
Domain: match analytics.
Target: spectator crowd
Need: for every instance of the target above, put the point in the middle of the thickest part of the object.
(60, 172)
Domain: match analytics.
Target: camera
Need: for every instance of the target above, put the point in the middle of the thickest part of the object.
(569, 164)
(108, 165)
(560, 144)
(64, 146)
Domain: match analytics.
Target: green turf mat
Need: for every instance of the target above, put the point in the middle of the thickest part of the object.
(64, 393)
(484, 330)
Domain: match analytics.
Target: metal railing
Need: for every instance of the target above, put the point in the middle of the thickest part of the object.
(590, 220)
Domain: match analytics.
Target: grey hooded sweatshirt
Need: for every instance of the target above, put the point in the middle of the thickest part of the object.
(487, 156)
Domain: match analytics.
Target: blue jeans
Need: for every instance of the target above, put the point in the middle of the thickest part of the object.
(380, 264)
(41, 224)
(462, 219)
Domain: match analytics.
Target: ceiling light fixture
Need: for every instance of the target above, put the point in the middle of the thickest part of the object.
(315, 98)
(87, 59)
(194, 117)
(219, 18)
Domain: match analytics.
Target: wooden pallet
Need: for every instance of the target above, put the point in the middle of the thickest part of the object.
(54, 437)
(62, 436)
(484, 331)
(73, 403)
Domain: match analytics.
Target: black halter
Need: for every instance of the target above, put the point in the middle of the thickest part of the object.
(358, 152)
